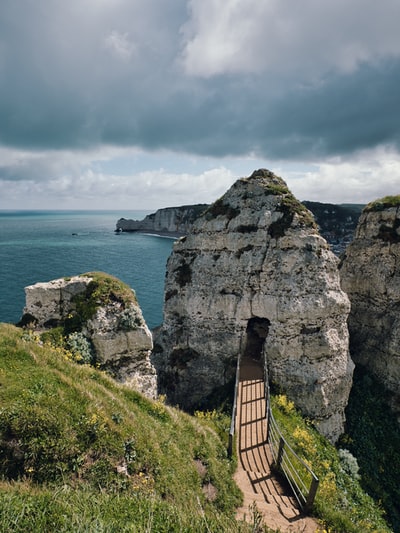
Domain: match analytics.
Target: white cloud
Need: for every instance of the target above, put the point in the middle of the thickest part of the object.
(120, 45)
(126, 179)
(73, 180)
(307, 38)
(361, 178)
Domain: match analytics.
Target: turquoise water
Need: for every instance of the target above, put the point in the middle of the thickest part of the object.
(44, 245)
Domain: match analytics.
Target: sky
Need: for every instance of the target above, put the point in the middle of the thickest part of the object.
(144, 104)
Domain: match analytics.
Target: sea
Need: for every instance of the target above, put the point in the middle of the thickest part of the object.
(38, 246)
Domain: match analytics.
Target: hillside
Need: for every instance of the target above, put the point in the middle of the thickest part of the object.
(78, 452)
(82, 453)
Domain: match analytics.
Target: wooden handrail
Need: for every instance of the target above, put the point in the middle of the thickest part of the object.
(284, 455)
(234, 407)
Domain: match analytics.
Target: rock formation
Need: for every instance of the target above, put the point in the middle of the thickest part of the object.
(174, 220)
(370, 274)
(254, 277)
(101, 319)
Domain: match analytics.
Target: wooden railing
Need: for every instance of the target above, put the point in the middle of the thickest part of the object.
(234, 408)
(301, 479)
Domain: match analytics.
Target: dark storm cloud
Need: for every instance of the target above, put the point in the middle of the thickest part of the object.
(80, 74)
(347, 113)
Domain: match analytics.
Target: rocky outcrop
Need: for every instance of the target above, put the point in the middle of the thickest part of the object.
(174, 220)
(370, 274)
(101, 322)
(254, 277)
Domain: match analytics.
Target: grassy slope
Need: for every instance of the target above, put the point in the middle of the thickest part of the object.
(78, 452)
(66, 430)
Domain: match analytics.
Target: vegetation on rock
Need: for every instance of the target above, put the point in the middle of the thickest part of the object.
(340, 502)
(373, 437)
(220, 208)
(382, 203)
(102, 290)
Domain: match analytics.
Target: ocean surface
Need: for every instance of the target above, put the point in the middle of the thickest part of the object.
(44, 245)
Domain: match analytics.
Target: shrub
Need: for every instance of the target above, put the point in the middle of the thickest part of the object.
(102, 290)
(349, 463)
(129, 319)
(373, 437)
(80, 347)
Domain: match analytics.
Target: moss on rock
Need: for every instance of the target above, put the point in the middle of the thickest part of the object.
(382, 203)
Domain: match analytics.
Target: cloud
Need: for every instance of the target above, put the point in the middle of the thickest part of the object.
(277, 82)
(124, 179)
(239, 77)
(120, 44)
(79, 179)
(357, 179)
(307, 38)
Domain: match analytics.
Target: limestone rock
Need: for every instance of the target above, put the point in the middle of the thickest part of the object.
(254, 277)
(175, 220)
(48, 303)
(370, 274)
(109, 320)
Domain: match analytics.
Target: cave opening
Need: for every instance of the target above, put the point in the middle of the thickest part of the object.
(256, 333)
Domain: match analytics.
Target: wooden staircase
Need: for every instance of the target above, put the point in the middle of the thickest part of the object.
(260, 487)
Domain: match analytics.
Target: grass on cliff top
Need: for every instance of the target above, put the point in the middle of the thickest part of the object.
(105, 288)
(382, 203)
(102, 290)
(341, 503)
(273, 185)
(79, 452)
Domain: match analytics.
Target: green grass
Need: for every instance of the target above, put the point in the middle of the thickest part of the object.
(382, 203)
(340, 503)
(64, 509)
(79, 452)
(102, 290)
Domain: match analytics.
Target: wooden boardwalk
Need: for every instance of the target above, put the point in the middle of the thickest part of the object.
(259, 485)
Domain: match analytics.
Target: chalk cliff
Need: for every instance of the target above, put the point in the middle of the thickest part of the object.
(254, 277)
(370, 274)
(175, 220)
(100, 317)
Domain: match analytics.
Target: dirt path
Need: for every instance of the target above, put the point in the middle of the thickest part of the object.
(274, 503)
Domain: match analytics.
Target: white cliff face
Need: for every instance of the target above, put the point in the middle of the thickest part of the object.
(117, 332)
(175, 220)
(370, 274)
(252, 277)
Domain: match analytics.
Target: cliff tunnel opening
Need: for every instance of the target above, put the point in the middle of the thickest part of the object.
(256, 332)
